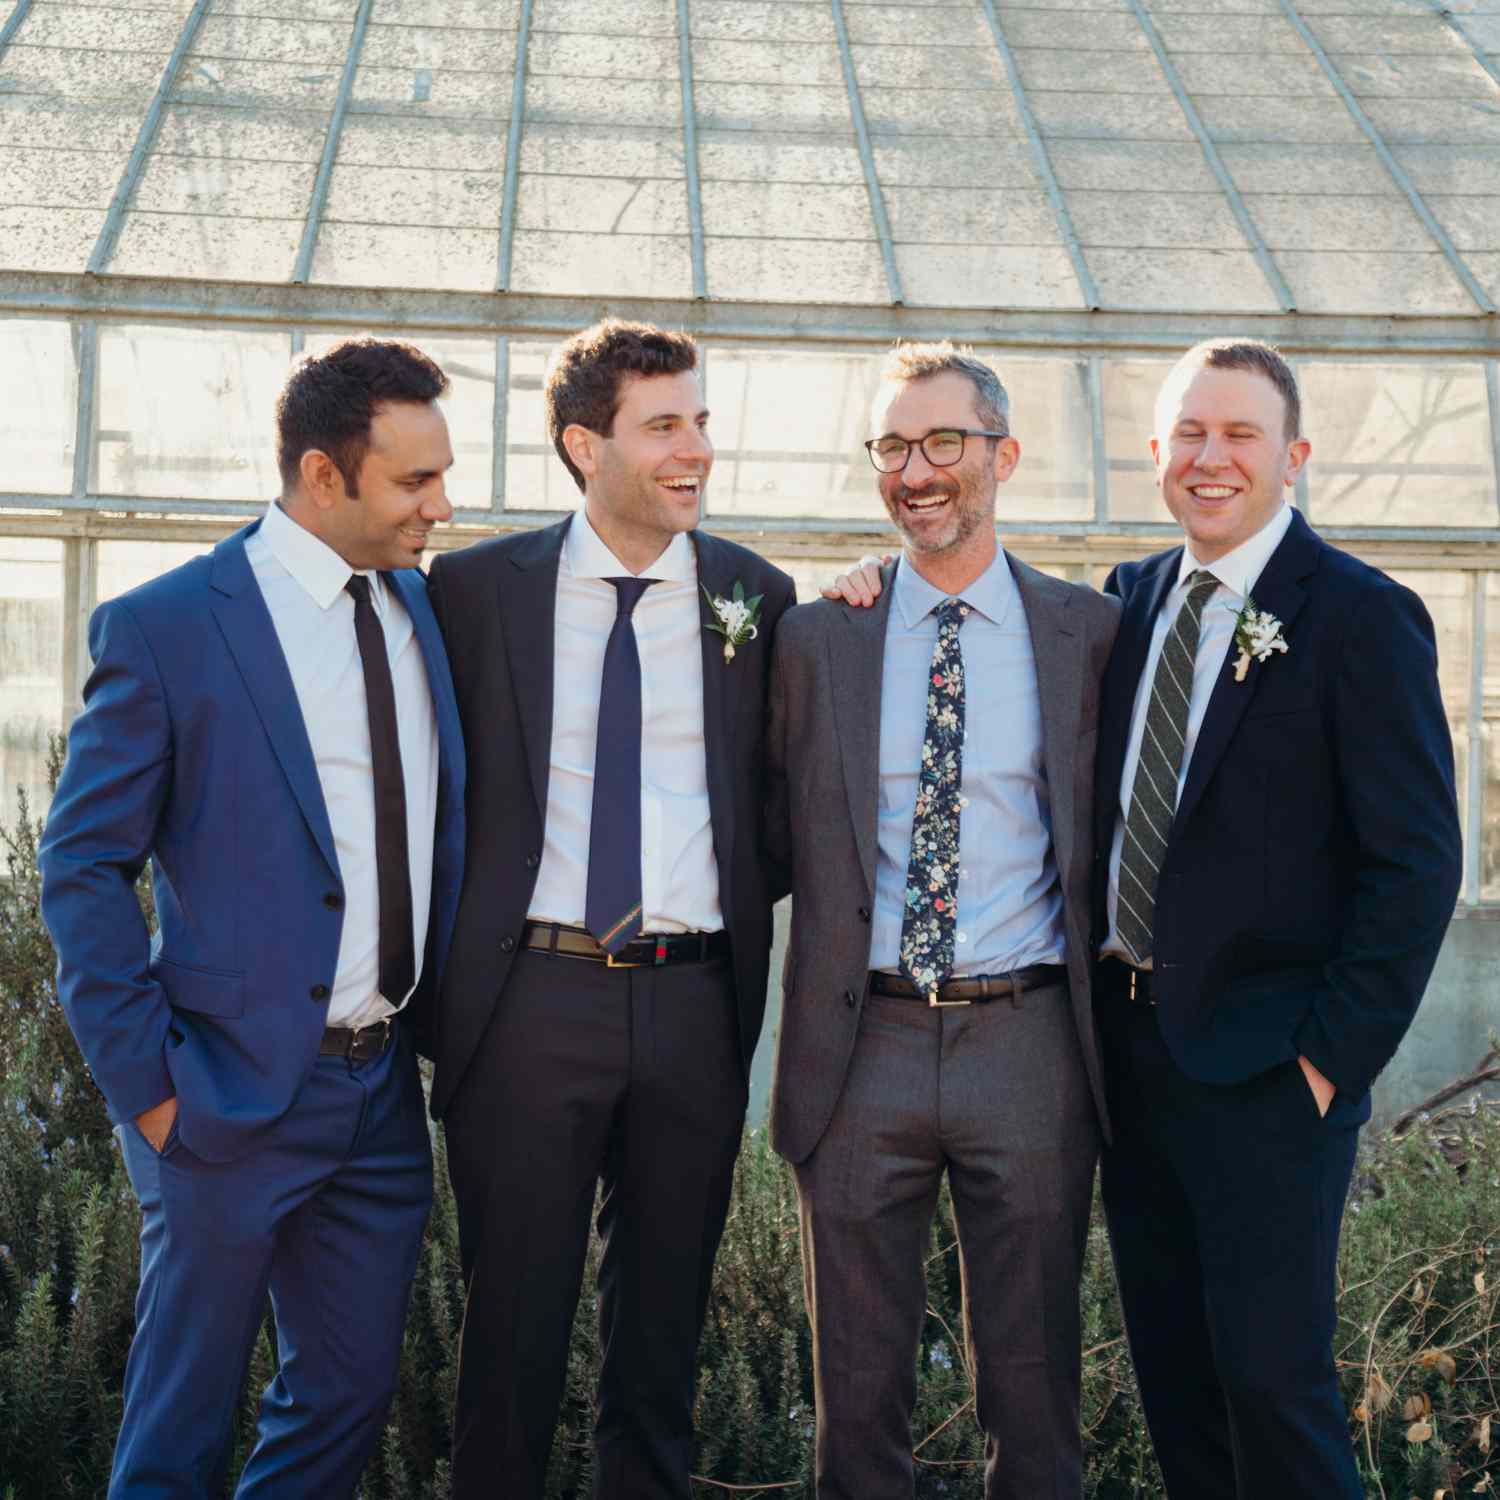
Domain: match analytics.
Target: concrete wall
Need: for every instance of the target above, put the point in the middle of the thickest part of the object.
(1449, 1036)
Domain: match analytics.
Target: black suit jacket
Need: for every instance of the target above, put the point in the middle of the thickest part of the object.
(496, 604)
(1314, 860)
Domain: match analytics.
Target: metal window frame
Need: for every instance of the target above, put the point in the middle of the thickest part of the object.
(690, 148)
(13, 24)
(513, 148)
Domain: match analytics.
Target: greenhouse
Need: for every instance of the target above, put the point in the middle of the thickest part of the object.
(191, 194)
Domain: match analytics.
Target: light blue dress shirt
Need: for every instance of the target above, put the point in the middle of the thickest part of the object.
(1010, 909)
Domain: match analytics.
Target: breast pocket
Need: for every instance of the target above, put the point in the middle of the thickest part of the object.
(208, 992)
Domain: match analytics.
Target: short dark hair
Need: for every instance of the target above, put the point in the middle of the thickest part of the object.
(909, 362)
(586, 376)
(330, 399)
(1252, 355)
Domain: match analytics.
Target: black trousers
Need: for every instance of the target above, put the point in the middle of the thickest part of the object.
(1224, 1205)
(632, 1077)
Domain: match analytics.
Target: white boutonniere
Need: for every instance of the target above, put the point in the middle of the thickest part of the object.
(1257, 633)
(735, 617)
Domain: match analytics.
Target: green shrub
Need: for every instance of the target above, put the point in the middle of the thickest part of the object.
(1419, 1340)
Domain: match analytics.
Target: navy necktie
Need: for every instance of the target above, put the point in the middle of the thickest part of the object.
(398, 964)
(612, 907)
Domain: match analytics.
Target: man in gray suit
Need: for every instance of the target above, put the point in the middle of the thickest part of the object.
(931, 765)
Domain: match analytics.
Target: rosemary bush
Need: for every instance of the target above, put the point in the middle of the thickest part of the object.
(1419, 1337)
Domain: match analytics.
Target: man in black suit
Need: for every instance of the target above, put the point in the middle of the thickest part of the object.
(608, 973)
(1278, 859)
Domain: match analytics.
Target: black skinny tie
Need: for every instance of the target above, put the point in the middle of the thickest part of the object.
(398, 965)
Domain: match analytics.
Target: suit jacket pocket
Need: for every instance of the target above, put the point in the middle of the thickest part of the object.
(208, 992)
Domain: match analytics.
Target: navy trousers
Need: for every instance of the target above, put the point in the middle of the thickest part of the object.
(1224, 1205)
(326, 1215)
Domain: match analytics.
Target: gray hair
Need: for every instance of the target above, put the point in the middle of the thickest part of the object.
(910, 362)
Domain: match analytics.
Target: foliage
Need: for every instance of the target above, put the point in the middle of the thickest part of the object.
(1418, 1341)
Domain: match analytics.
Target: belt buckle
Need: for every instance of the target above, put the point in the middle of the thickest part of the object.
(933, 1003)
(657, 959)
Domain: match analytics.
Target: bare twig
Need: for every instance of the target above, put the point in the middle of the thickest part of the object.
(1488, 1071)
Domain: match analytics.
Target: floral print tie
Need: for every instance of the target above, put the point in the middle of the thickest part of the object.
(930, 916)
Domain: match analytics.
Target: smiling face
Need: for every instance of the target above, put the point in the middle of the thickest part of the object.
(1225, 462)
(645, 482)
(400, 491)
(946, 516)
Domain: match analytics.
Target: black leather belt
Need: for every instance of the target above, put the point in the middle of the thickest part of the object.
(651, 950)
(357, 1043)
(978, 990)
(1115, 979)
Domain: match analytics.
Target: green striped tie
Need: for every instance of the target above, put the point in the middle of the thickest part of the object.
(1153, 797)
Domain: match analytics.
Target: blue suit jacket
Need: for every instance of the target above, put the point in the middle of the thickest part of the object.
(191, 751)
(1314, 860)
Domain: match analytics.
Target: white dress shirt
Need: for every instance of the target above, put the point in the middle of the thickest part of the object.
(302, 580)
(679, 878)
(1237, 572)
(1010, 909)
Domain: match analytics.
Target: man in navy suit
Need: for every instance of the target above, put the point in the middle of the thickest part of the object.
(1278, 859)
(274, 727)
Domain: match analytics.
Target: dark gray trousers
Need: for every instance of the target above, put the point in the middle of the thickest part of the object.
(997, 1096)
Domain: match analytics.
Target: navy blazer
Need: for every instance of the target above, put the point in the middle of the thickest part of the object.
(191, 751)
(1314, 861)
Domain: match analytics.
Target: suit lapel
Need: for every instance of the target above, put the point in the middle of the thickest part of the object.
(1127, 664)
(720, 681)
(248, 631)
(1057, 647)
(1282, 590)
(407, 584)
(856, 659)
(526, 594)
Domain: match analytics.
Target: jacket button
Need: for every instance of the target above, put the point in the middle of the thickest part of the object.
(332, 900)
(533, 860)
(864, 914)
(507, 945)
(319, 992)
(849, 999)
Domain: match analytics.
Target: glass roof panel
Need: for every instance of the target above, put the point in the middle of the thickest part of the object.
(988, 276)
(48, 239)
(740, 156)
(433, 91)
(481, 15)
(252, 82)
(216, 186)
(765, 106)
(954, 165)
(272, 39)
(246, 134)
(602, 205)
(602, 101)
(371, 140)
(1020, 216)
(601, 151)
(897, 25)
(1431, 75)
(462, 49)
(83, 77)
(595, 265)
(200, 248)
(26, 120)
(760, 21)
(59, 179)
(787, 270)
(362, 194)
(94, 28)
(767, 62)
(1348, 281)
(629, 18)
(407, 255)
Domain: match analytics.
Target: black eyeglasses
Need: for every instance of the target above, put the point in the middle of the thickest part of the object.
(942, 448)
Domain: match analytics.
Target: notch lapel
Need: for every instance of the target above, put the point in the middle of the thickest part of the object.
(720, 682)
(1282, 590)
(526, 595)
(1057, 648)
(856, 659)
(245, 622)
(410, 588)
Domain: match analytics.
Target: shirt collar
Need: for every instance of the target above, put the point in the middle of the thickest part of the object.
(587, 556)
(1240, 570)
(320, 571)
(991, 593)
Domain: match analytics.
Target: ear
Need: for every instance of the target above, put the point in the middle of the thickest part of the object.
(1007, 456)
(582, 446)
(1296, 458)
(321, 481)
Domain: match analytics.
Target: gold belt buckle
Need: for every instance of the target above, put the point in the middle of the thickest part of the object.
(611, 962)
(933, 1003)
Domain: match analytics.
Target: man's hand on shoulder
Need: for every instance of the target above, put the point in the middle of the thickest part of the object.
(860, 586)
(156, 1123)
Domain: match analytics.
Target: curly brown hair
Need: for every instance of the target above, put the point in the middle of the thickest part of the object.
(585, 377)
(330, 399)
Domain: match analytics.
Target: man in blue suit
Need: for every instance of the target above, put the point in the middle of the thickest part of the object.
(1278, 859)
(273, 726)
